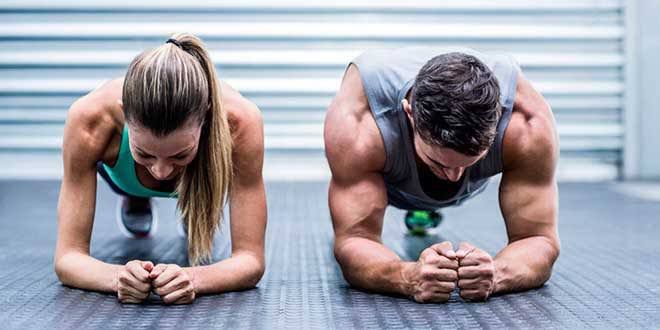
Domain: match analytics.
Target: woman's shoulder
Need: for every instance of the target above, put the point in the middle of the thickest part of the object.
(245, 119)
(95, 119)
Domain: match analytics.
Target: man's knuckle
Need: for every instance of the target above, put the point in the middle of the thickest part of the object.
(452, 275)
(425, 252)
(426, 273)
(430, 258)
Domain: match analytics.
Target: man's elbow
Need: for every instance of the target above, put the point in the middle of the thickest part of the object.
(554, 248)
(342, 252)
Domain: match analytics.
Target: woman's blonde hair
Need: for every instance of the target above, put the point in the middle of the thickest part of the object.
(163, 89)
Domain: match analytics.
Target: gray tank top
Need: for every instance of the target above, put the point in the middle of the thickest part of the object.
(387, 76)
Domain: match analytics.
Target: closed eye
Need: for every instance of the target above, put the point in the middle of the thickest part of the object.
(145, 156)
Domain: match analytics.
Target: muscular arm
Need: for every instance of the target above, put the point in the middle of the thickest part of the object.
(85, 139)
(248, 216)
(528, 197)
(357, 193)
(357, 210)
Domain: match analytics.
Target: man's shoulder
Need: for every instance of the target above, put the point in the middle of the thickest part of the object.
(530, 144)
(353, 143)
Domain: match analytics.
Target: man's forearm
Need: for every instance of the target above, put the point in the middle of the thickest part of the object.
(371, 266)
(525, 264)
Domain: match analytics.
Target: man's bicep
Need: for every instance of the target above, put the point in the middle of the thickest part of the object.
(529, 207)
(357, 205)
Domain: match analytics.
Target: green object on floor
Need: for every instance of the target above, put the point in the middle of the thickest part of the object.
(418, 222)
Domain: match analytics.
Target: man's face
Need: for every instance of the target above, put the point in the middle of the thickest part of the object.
(444, 163)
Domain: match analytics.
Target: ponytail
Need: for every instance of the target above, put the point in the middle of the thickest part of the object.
(163, 89)
(206, 181)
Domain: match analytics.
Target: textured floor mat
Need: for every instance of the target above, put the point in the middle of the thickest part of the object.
(608, 274)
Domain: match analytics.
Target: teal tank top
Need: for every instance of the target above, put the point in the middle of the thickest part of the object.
(123, 173)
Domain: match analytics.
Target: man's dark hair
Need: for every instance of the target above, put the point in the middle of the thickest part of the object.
(456, 103)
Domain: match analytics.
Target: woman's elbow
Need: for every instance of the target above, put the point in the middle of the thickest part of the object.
(61, 270)
(64, 263)
(256, 270)
(257, 274)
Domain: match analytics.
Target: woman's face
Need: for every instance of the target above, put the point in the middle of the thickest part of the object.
(165, 157)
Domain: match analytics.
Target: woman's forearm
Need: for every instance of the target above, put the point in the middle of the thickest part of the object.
(240, 272)
(85, 272)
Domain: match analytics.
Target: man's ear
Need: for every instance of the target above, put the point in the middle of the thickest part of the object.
(408, 109)
(121, 103)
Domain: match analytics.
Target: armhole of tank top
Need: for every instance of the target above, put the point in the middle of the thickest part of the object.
(513, 81)
(121, 151)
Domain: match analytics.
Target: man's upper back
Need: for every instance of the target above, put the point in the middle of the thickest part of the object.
(387, 76)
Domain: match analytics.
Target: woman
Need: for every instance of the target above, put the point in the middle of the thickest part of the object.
(169, 128)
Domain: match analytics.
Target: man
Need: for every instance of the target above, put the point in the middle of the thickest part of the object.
(422, 129)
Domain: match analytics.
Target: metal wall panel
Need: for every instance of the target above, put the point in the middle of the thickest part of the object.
(288, 57)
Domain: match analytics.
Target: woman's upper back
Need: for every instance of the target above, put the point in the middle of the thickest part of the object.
(95, 124)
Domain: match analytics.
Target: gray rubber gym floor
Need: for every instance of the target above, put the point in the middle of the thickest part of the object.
(608, 275)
